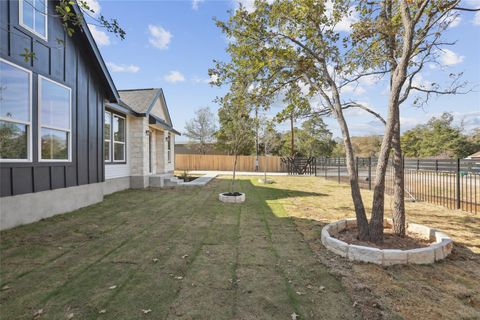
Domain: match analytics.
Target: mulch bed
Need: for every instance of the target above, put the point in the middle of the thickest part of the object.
(187, 179)
(390, 240)
(232, 194)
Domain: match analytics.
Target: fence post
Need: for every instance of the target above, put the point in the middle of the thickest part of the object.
(370, 173)
(458, 184)
(338, 164)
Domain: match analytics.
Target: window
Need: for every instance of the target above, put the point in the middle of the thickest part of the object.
(169, 148)
(115, 137)
(33, 16)
(55, 106)
(107, 128)
(15, 113)
(118, 129)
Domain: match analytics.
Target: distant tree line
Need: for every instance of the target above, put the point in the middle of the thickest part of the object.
(438, 138)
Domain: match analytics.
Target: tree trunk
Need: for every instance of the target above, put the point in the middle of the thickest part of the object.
(399, 75)
(256, 140)
(362, 222)
(234, 171)
(292, 136)
(399, 185)
(265, 164)
(336, 106)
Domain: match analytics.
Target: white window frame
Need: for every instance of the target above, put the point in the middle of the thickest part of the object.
(169, 148)
(112, 137)
(23, 25)
(40, 125)
(109, 140)
(27, 123)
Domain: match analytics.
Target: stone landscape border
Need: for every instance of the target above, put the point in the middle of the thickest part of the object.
(231, 199)
(438, 250)
(267, 181)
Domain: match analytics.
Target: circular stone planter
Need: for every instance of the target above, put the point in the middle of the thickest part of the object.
(231, 199)
(438, 250)
(265, 181)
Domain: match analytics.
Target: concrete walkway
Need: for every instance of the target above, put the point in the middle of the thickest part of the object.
(238, 173)
(201, 181)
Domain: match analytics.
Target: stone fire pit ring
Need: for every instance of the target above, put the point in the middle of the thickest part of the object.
(231, 199)
(437, 251)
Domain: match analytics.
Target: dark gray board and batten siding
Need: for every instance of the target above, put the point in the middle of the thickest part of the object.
(74, 66)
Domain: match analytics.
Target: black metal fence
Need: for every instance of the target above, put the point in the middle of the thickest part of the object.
(299, 166)
(454, 183)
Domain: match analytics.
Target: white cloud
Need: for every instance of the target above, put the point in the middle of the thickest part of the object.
(248, 5)
(174, 76)
(476, 20)
(452, 20)
(159, 37)
(345, 24)
(123, 68)
(420, 82)
(367, 128)
(196, 3)
(94, 5)
(450, 58)
(212, 78)
(101, 37)
(358, 112)
(408, 123)
(196, 79)
(353, 88)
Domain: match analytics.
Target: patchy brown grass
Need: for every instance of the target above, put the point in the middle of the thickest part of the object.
(169, 254)
(446, 290)
(184, 255)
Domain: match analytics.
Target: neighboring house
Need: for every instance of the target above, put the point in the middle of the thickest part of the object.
(194, 148)
(475, 156)
(139, 140)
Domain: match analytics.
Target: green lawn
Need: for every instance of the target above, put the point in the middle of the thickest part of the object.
(167, 254)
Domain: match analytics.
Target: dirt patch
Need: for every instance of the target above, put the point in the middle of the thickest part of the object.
(390, 240)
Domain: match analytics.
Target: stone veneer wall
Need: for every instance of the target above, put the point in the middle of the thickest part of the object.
(138, 150)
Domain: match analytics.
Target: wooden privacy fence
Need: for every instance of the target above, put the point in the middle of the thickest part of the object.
(225, 163)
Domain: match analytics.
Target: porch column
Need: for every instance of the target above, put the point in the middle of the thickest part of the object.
(160, 151)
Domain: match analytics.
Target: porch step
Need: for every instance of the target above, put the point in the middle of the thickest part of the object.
(164, 180)
(169, 180)
(173, 182)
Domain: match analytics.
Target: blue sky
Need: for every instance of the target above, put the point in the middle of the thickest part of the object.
(171, 44)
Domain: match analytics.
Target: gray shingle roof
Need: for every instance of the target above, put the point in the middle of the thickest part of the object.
(139, 100)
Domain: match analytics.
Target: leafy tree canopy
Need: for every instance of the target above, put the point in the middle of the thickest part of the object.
(201, 128)
(439, 138)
